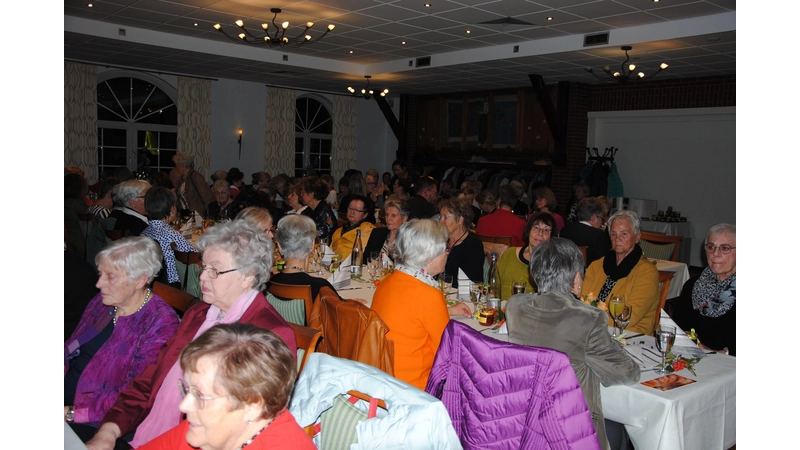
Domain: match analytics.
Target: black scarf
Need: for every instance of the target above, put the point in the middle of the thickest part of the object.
(616, 272)
(347, 227)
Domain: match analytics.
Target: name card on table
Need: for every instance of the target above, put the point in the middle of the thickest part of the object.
(341, 278)
(463, 284)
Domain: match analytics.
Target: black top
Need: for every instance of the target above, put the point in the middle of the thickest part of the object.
(128, 222)
(467, 256)
(376, 239)
(596, 239)
(714, 332)
(419, 208)
(79, 289)
(302, 278)
(520, 208)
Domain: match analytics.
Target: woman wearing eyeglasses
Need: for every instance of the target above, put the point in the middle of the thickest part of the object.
(345, 237)
(708, 302)
(236, 385)
(237, 258)
(514, 263)
(624, 271)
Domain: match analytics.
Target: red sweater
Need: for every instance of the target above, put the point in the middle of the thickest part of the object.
(502, 223)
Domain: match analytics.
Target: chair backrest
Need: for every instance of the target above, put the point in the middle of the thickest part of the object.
(660, 246)
(495, 239)
(307, 341)
(352, 330)
(174, 297)
(191, 262)
(292, 292)
(583, 249)
(86, 222)
(116, 235)
(664, 280)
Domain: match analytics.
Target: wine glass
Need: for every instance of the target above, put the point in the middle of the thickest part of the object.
(373, 269)
(615, 306)
(665, 337)
(475, 294)
(623, 318)
(447, 283)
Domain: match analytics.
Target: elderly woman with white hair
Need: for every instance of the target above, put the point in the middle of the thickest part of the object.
(625, 272)
(220, 208)
(237, 258)
(193, 191)
(295, 235)
(119, 334)
(410, 302)
(708, 302)
(555, 318)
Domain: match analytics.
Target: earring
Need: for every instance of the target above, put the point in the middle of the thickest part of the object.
(249, 422)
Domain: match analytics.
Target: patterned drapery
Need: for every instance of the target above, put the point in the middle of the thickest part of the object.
(345, 125)
(194, 121)
(80, 118)
(279, 141)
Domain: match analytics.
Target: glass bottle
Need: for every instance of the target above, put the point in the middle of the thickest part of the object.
(493, 279)
(358, 255)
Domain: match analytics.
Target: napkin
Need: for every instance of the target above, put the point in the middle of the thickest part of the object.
(463, 283)
(502, 330)
(341, 277)
(186, 229)
(326, 258)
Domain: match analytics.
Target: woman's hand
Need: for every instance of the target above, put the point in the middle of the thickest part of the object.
(66, 410)
(105, 438)
(460, 309)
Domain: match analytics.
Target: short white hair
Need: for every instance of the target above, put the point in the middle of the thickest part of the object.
(628, 215)
(419, 241)
(136, 256)
(296, 234)
(721, 228)
(249, 248)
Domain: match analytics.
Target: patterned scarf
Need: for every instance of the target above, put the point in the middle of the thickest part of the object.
(711, 297)
(419, 274)
(616, 272)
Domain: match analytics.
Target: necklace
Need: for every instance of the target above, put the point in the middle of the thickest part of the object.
(250, 441)
(294, 267)
(449, 247)
(146, 299)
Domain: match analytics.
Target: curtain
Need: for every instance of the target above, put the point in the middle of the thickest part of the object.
(345, 124)
(279, 141)
(194, 121)
(80, 118)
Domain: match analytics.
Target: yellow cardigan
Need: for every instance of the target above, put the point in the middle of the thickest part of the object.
(640, 289)
(343, 245)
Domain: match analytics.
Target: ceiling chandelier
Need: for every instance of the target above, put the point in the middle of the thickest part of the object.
(278, 38)
(366, 92)
(623, 76)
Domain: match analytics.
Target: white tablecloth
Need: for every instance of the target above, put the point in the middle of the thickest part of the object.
(681, 275)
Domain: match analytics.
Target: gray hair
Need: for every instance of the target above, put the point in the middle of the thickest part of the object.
(397, 202)
(720, 228)
(184, 159)
(219, 175)
(296, 234)
(136, 256)
(588, 207)
(222, 184)
(554, 264)
(418, 241)
(249, 248)
(628, 215)
(126, 191)
(254, 215)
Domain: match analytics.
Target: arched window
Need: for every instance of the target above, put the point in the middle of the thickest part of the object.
(313, 139)
(137, 123)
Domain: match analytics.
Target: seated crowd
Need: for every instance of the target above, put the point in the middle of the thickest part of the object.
(221, 376)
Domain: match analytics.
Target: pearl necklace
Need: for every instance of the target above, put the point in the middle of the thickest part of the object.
(146, 299)
(294, 267)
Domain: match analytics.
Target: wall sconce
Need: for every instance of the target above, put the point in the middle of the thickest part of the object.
(240, 143)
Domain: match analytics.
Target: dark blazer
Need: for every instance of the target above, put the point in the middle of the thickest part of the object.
(135, 402)
(596, 239)
(128, 222)
(376, 240)
(420, 208)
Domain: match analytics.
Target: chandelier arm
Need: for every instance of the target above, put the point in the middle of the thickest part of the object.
(252, 36)
(317, 39)
(233, 38)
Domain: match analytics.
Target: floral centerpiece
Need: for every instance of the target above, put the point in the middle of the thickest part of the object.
(592, 300)
(678, 363)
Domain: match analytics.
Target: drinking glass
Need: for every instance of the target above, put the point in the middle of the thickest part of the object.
(519, 286)
(623, 318)
(373, 268)
(665, 337)
(447, 283)
(475, 294)
(615, 305)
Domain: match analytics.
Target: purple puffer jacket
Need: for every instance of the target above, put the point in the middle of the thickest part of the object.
(133, 345)
(507, 396)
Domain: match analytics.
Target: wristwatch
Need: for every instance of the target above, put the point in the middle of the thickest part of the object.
(70, 414)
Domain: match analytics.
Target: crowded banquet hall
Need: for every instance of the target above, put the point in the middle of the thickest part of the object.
(461, 208)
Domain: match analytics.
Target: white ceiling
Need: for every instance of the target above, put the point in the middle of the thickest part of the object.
(697, 38)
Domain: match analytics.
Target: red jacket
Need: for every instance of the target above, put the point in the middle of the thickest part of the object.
(135, 402)
(502, 223)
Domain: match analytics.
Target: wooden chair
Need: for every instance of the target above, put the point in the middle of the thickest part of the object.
(188, 259)
(583, 249)
(116, 235)
(660, 246)
(307, 341)
(293, 292)
(664, 280)
(495, 239)
(176, 298)
(88, 223)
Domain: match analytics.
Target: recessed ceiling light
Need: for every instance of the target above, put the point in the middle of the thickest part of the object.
(404, 42)
(195, 24)
(427, 5)
(469, 31)
(351, 52)
(655, 1)
(90, 5)
(549, 18)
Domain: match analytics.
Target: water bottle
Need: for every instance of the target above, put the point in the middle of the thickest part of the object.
(357, 256)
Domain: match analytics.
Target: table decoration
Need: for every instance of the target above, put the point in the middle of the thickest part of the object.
(677, 363)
